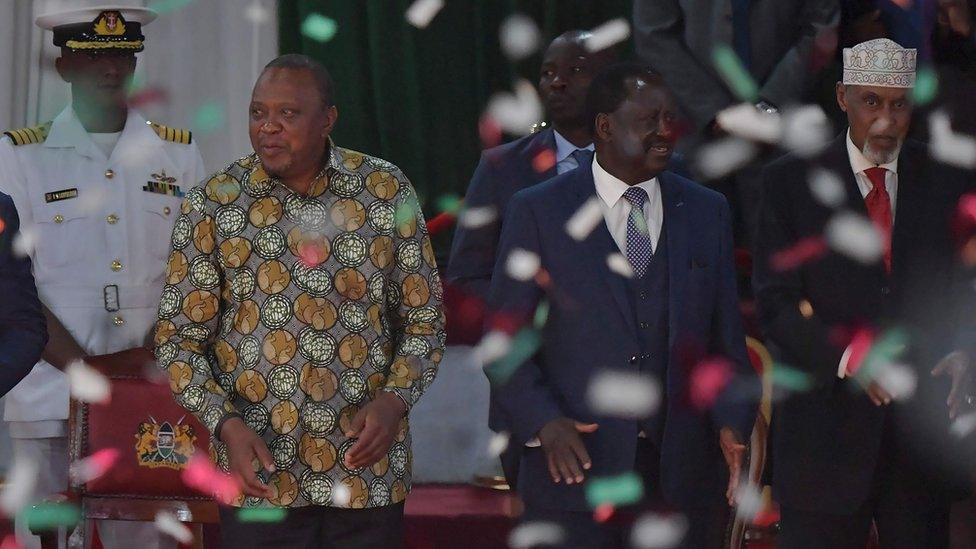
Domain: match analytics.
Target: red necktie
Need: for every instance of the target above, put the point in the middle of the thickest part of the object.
(879, 209)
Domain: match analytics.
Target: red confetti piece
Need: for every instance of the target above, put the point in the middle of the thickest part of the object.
(544, 161)
(489, 131)
(708, 379)
(148, 97)
(310, 255)
(95, 465)
(857, 350)
(603, 512)
(202, 475)
(804, 251)
(10, 542)
(440, 222)
(2, 226)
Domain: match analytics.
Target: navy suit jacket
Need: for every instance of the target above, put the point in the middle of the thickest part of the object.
(23, 329)
(591, 327)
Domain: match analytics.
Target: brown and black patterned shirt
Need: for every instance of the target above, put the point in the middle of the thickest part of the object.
(293, 310)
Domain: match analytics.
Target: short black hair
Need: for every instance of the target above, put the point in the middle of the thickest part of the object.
(609, 88)
(297, 61)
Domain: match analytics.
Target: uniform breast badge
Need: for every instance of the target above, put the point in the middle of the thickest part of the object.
(163, 184)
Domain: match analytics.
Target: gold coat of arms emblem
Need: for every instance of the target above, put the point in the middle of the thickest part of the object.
(164, 444)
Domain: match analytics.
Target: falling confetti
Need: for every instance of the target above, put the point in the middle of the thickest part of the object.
(19, 486)
(49, 516)
(475, 218)
(799, 254)
(498, 443)
(898, 380)
(524, 345)
(10, 542)
(654, 531)
(23, 244)
(806, 130)
(3, 226)
(748, 501)
(319, 27)
(730, 67)
(585, 219)
(147, 96)
(606, 35)
(948, 146)
(519, 36)
(724, 156)
(541, 315)
(963, 426)
(422, 12)
(544, 161)
(168, 524)
(883, 352)
(261, 514)
(603, 512)
(855, 236)
(748, 122)
(535, 534)
(522, 265)
(93, 466)
(166, 6)
(926, 86)
(708, 379)
(620, 265)
(790, 378)
(256, 13)
(516, 113)
(625, 489)
(623, 394)
(450, 203)
(87, 384)
(440, 222)
(202, 475)
(489, 131)
(209, 117)
(492, 347)
(341, 495)
(827, 187)
(857, 350)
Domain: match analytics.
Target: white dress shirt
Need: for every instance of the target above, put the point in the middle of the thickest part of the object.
(616, 209)
(564, 151)
(859, 163)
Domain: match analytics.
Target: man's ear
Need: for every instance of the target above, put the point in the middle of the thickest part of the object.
(602, 128)
(331, 116)
(841, 91)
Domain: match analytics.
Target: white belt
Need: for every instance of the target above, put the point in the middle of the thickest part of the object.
(111, 297)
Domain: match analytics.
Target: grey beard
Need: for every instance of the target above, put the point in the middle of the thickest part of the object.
(880, 157)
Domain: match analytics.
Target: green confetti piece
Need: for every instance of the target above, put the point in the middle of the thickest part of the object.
(165, 6)
(791, 378)
(262, 514)
(624, 489)
(449, 203)
(50, 516)
(136, 84)
(524, 345)
(736, 76)
(319, 27)
(208, 117)
(926, 86)
(541, 315)
(405, 213)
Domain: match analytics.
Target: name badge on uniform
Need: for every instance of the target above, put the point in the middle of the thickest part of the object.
(60, 195)
(163, 184)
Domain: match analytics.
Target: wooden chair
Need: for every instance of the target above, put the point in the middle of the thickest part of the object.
(154, 438)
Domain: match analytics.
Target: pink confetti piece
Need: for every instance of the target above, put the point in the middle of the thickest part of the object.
(708, 379)
(544, 161)
(202, 475)
(802, 252)
(603, 512)
(489, 131)
(10, 542)
(857, 350)
(93, 466)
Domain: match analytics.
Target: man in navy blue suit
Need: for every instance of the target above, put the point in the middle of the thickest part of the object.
(648, 291)
(23, 330)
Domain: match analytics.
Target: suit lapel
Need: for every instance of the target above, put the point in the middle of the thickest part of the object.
(910, 166)
(598, 245)
(838, 158)
(676, 219)
(547, 140)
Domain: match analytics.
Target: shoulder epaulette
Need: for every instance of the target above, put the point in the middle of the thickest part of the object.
(175, 135)
(29, 136)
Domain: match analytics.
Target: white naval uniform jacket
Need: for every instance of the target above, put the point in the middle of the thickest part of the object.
(99, 229)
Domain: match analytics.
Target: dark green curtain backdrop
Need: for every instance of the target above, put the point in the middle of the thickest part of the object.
(414, 96)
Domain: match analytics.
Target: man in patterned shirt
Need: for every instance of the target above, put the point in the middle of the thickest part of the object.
(301, 320)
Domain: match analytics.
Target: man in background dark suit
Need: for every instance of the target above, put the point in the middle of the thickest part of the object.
(23, 330)
(852, 449)
(658, 320)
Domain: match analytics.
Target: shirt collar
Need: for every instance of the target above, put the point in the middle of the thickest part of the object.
(67, 131)
(610, 189)
(564, 148)
(859, 162)
(337, 161)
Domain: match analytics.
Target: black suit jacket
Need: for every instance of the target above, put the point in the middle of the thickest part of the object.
(23, 330)
(826, 440)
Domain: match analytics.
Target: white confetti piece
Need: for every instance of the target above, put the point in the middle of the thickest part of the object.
(87, 384)
(623, 394)
(533, 534)
(827, 187)
(898, 380)
(607, 34)
(422, 12)
(516, 113)
(498, 443)
(168, 524)
(24, 241)
(341, 495)
(493, 346)
(522, 264)
(256, 13)
(475, 218)
(619, 264)
(963, 425)
(749, 501)
(654, 531)
(854, 236)
(945, 145)
(585, 219)
(806, 130)
(746, 121)
(721, 158)
(19, 487)
(519, 36)
(93, 200)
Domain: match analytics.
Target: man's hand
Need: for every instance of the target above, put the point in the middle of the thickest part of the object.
(565, 451)
(878, 395)
(376, 425)
(244, 446)
(954, 16)
(958, 366)
(734, 451)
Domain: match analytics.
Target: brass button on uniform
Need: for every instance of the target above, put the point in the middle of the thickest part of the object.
(112, 219)
(166, 210)
(118, 321)
(109, 174)
(58, 218)
(116, 265)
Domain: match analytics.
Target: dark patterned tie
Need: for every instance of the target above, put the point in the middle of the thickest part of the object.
(639, 249)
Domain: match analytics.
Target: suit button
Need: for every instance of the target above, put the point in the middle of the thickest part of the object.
(118, 321)
(886, 291)
(109, 174)
(116, 265)
(112, 219)
(633, 359)
(643, 325)
(643, 295)
(645, 357)
(59, 218)
(166, 210)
